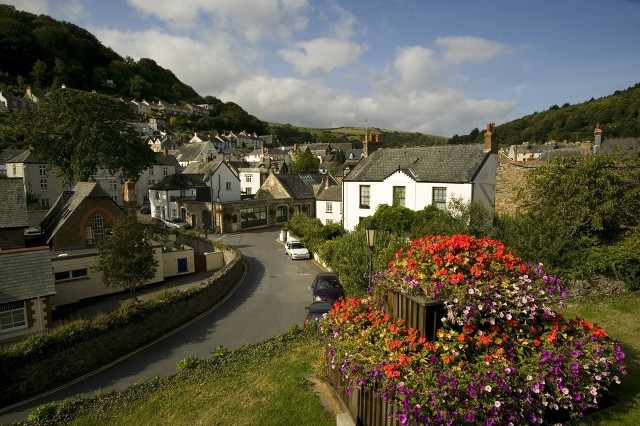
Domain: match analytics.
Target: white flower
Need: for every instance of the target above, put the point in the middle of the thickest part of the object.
(509, 316)
(497, 404)
(565, 391)
(487, 388)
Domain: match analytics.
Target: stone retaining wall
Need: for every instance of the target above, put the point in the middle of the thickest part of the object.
(30, 378)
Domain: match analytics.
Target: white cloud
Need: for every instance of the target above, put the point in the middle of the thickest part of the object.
(33, 6)
(206, 65)
(468, 49)
(417, 66)
(321, 53)
(255, 20)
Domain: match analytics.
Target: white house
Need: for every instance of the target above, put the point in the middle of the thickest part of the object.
(197, 152)
(420, 176)
(223, 183)
(166, 195)
(329, 202)
(250, 180)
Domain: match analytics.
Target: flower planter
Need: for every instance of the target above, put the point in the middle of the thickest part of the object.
(422, 314)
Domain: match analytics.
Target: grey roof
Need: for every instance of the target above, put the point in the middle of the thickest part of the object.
(560, 152)
(622, 147)
(442, 163)
(67, 203)
(296, 186)
(332, 193)
(190, 151)
(13, 213)
(202, 168)
(163, 159)
(8, 153)
(178, 181)
(25, 157)
(25, 274)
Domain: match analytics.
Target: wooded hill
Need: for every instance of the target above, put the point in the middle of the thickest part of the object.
(618, 116)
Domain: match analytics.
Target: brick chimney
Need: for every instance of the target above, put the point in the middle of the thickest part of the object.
(597, 138)
(490, 142)
(130, 195)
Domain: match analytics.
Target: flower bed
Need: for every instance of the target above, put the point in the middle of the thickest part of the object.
(502, 355)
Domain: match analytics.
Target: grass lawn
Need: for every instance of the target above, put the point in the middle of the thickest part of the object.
(266, 384)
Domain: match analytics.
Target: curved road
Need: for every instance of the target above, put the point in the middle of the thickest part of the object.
(271, 298)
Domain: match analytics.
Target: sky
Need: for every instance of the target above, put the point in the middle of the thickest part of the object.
(440, 67)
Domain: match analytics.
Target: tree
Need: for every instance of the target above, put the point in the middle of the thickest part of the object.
(125, 258)
(77, 132)
(576, 203)
(305, 162)
(39, 72)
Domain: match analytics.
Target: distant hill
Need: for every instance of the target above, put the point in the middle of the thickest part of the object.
(617, 114)
(287, 134)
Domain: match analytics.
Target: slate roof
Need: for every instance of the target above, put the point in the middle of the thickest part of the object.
(190, 151)
(621, 147)
(25, 274)
(24, 157)
(67, 203)
(295, 186)
(442, 163)
(13, 213)
(560, 152)
(202, 168)
(332, 193)
(8, 153)
(162, 159)
(179, 181)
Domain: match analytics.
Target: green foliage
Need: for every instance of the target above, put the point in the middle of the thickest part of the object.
(305, 162)
(620, 260)
(77, 132)
(188, 363)
(125, 258)
(616, 113)
(312, 232)
(574, 204)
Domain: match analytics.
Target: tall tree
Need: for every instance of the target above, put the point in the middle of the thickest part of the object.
(78, 132)
(305, 162)
(125, 258)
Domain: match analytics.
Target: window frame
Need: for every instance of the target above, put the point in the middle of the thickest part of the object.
(399, 196)
(13, 316)
(365, 196)
(436, 197)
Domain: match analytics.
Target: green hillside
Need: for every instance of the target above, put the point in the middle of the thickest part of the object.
(40, 51)
(618, 116)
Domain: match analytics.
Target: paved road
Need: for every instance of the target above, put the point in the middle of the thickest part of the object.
(269, 301)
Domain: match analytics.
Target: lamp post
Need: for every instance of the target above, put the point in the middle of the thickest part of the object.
(372, 233)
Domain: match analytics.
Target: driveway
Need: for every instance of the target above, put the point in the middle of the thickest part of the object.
(271, 298)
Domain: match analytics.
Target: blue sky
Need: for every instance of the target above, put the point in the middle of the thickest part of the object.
(430, 66)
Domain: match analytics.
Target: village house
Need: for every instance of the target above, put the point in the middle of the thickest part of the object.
(329, 202)
(421, 176)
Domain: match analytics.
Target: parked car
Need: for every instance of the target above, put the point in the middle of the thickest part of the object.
(316, 310)
(296, 250)
(175, 222)
(145, 209)
(326, 287)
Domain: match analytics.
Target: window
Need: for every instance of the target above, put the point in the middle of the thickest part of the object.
(328, 222)
(44, 202)
(151, 171)
(182, 265)
(440, 197)
(98, 230)
(151, 182)
(228, 186)
(364, 196)
(13, 315)
(329, 207)
(113, 185)
(114, 198)
(247, 178)
(43, 184)
(42, 170)
(398, 195)
(165, 170)
(157, 195)
(69, 275)
(248, 190)
(14, 169)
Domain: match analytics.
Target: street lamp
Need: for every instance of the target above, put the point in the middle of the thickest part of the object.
(372, 233)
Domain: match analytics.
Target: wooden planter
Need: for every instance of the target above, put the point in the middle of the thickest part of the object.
(422, 314)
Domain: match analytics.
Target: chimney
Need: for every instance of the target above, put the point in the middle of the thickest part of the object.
(365, 147)
(130, 195)
(597, 135)
(490, 143)
(326, 182)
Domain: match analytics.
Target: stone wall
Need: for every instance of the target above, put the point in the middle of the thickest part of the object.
(509, 179)
(23, 379)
